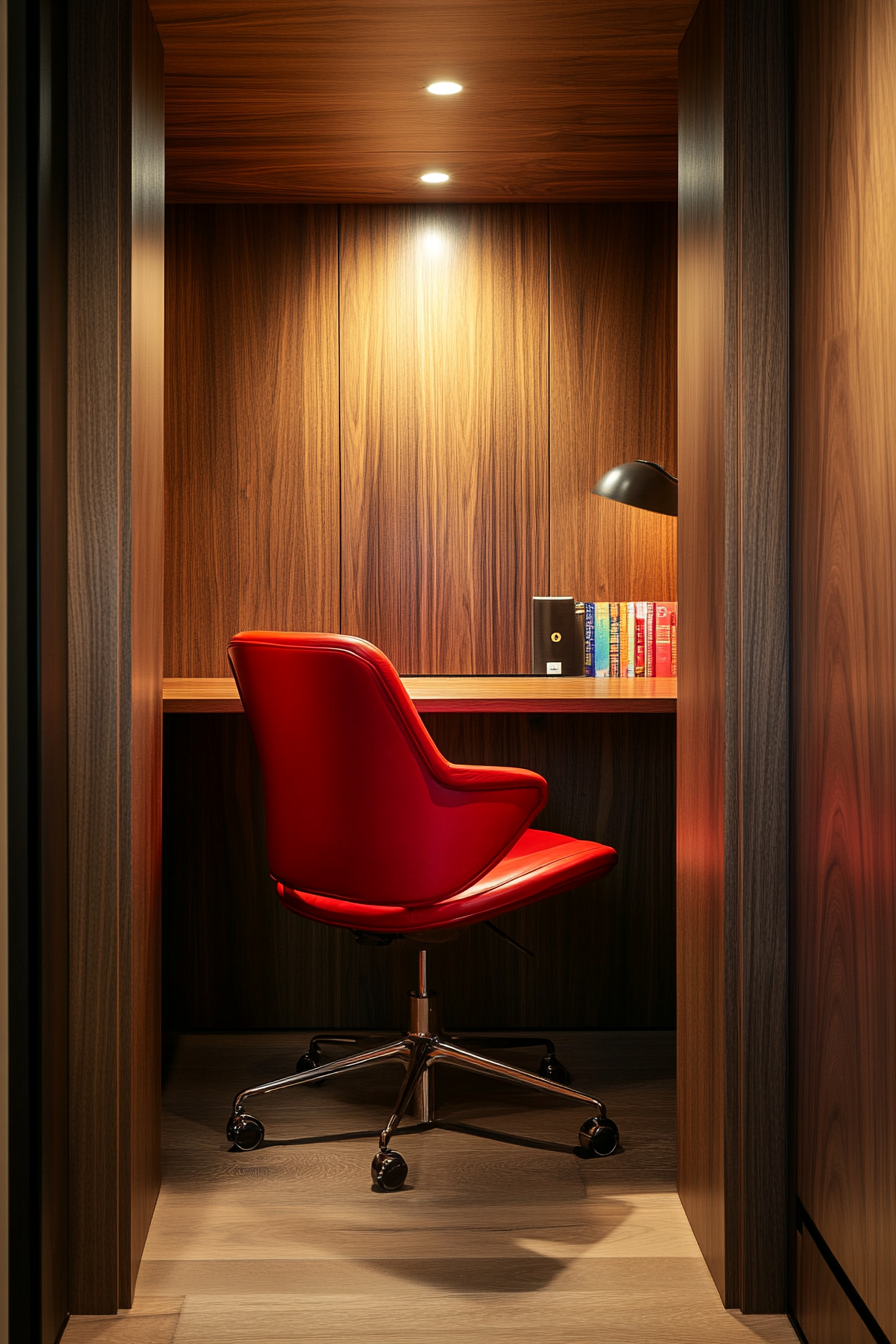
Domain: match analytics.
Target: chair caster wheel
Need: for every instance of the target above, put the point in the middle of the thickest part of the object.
(305, 1063)
(599, 1136)
(245, 1132)
(389, 1170)
(551, 1068)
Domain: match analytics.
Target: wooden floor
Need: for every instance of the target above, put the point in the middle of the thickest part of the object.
(488, 1241)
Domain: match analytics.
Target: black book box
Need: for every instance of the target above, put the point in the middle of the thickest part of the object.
(556, 639)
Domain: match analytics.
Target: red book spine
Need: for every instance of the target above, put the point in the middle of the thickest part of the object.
(650, 669)
(663, 639)
(673, 640)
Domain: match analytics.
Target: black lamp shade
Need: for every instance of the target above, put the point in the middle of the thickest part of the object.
(646, 485)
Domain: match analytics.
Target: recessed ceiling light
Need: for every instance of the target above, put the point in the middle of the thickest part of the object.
(434, 177)
(444, 86)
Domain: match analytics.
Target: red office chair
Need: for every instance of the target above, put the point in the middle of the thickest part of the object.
(371, 829)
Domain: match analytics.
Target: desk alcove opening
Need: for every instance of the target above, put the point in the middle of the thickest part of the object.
(397, 443)
(323, 490)
(318, 475)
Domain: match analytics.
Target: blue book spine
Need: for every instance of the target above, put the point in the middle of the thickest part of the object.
(589, 639)
(601, 639)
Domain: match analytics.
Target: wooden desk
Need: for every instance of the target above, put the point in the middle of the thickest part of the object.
(465, 695)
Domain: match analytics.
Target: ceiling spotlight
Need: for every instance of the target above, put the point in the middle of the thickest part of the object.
(444, 86)
(434, 177)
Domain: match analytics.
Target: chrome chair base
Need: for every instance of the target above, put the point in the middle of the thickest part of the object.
(420, 1050)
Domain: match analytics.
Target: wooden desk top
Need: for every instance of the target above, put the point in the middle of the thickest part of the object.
(464, 695)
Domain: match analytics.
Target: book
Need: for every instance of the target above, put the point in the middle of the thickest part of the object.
(601, 639)
(614, 639)
(589, 638)
(640, 638)
(666, 620)
(630, 640)
(556, 648)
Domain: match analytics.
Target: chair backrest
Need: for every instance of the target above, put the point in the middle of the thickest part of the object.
(360, 802)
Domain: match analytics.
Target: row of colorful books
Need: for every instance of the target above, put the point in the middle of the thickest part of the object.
(630, 639)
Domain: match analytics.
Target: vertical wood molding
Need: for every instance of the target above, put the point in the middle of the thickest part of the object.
(701, 602)
(94, 672)
(757, 675)
(844, 638)
(116, 196)
(733, 658)
(613, 395)
(142, 395)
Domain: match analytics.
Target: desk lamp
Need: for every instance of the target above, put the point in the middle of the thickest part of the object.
(646, 485)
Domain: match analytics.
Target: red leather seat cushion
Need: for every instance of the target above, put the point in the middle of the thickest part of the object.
(539, 864)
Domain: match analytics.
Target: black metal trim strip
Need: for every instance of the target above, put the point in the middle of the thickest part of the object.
(804, 1221)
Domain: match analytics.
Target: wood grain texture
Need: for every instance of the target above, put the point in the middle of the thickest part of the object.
(701, 604)
(115, 632)
(613, 395)
(294, 102)
(733, 689)
(439, 695)
(444, 428)
(757, 784)
(824, 1312)
(142, 521)
(95, 592)
(844, 597)
(486, 1242)
(252, 514)
(445, 418)
(605, 954)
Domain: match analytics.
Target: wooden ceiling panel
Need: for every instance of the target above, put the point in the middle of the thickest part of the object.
(563, 100)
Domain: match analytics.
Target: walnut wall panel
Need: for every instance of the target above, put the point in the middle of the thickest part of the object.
(701, 699)
(603, 953)
(420, 493)
(252, 434)
(613, 395)
(825, 1313)
(140, 932)
(844, 635)
(115, 558)
(733, 609)
(444, 370)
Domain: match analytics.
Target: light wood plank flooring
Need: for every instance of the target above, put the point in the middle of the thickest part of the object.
(487, 1241)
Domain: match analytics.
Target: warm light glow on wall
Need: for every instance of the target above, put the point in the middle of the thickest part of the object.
(444, 87)
(434, 177)
(433, 243)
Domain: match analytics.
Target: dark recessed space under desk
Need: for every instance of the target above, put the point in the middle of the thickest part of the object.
(604, 956)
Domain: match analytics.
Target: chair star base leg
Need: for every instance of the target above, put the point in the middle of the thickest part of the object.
(420, 1051)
